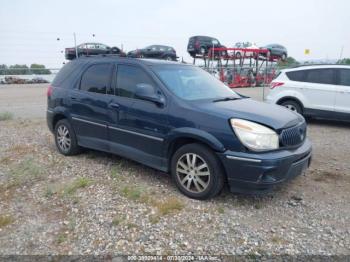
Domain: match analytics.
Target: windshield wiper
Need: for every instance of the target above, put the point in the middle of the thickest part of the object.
(229, 98)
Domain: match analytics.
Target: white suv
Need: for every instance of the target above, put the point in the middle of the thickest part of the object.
(316, 91)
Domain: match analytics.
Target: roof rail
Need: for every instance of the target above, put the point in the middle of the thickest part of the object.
(321, 64)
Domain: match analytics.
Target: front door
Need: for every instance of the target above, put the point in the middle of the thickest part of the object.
(342, 100)
(139, 130)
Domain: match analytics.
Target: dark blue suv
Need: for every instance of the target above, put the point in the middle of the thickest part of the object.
(176, 118)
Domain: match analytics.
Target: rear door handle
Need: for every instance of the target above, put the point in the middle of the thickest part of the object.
(114, 105)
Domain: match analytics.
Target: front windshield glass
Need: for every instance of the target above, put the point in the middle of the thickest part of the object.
(192, 83)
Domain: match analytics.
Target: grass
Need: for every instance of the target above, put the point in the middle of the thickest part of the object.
(132, 193)
(61, 238)
(131, 225)
(78, 183)
(277, 240)
(6, 116)
(114, 172)
(67, 189)
(5, 220)
(25, 172)
(154, 219)
(118, 220)
(169, 206)
(327, 176)
(221, 210)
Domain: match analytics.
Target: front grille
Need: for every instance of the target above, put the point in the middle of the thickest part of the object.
(293, 136)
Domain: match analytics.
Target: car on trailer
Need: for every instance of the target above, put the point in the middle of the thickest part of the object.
(201, 45)
(245, 45)
(155, 51)
(91, 49)
(276, 50)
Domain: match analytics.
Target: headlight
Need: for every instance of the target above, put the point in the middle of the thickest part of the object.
(255, 136)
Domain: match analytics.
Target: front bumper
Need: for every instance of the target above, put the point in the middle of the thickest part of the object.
(261, 172)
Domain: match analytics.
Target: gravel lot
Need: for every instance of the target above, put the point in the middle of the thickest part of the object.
(97, 203)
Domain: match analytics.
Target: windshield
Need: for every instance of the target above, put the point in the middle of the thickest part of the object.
(192, 83)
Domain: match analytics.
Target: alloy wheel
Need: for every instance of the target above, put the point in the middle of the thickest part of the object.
(193, 173)
(63, 138)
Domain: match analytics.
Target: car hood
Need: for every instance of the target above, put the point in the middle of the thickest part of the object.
(274, 116)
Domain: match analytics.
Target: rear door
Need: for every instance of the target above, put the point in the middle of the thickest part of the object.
(342, 100)
(319, 88)
(152, 51)
(89, 106)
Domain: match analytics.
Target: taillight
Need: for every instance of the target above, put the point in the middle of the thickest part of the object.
(49, 91)
(276, 84)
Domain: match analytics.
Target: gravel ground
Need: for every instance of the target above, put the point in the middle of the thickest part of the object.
(97, 203)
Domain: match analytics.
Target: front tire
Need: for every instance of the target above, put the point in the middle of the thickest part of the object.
(65, 138)
(197, 172)
(293, 106)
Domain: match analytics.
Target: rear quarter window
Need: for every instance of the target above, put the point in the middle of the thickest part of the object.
(66, 71)
(344, 77)
(296, 75)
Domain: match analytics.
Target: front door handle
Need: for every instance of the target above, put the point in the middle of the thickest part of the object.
(114, 105)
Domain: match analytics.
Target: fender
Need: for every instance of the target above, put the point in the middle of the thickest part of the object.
(189, 132)
(292, 95)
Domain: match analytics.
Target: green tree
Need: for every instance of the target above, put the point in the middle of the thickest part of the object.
(39, 69)
(18, 70)
(289, 62)
(344, 61)
(3, 69)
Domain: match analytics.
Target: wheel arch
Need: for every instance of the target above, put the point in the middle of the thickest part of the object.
(183, 136)
(59, 114)
(290, 98)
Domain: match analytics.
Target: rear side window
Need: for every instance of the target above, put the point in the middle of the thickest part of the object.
(344, 77)
(96, 78)
(296, 75)
(64, 73)
(320, 76)
(128, 77)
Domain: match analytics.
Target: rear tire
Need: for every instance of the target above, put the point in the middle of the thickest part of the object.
(293, 106)
(283, 57)
(197, 171)
(65, 138)
(168, 58)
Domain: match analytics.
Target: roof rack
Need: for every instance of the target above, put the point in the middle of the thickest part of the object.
(102, 55)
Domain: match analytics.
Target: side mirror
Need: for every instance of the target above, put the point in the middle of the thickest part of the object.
(148, 93)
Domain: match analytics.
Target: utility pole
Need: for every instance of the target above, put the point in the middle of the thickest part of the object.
(75, 44)
(341, 52)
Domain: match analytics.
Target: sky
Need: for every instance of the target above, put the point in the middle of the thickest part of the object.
(29, 29)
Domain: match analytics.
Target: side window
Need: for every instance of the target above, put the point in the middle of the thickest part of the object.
(320, 76)
(96, 78)
(344, 77)
(128, 77)
(296, 75)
